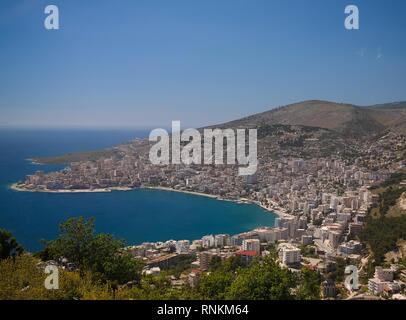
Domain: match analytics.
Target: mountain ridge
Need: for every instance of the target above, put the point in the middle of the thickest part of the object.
(344, 118)
(301, 129)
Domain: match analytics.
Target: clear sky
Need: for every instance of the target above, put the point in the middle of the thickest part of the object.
(136, 63)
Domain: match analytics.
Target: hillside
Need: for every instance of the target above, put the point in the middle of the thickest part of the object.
(306, 129)
(387, 220)
(349, 120)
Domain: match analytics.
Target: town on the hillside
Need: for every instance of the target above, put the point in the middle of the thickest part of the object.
(322, 204)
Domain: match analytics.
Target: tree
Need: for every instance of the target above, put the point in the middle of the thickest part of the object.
(9, 246)
(107, 260)
(214, 286)
(382, 234)
(215, 263)
(263, 280)
(309, 288)
(232, 264)
(338, 271)
(154, 287)
(24, 279)
(74, 242)
(101, 254)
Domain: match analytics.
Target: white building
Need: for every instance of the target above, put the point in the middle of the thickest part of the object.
(381, 279)
(221, 240)
(333, 238)
(376, 286)
(383, 274)
(208, 241)
(289, 254)
(350, 247)
(251, 245)
(182, 246)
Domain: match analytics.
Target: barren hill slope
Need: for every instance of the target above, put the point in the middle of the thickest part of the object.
(347, 119)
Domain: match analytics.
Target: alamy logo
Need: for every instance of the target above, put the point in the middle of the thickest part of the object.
(351, 22)
(191, 153)
(52, 281)
(351, 281)
(52, 20)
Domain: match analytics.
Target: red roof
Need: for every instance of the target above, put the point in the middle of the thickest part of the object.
(196, 271)
(250, 253)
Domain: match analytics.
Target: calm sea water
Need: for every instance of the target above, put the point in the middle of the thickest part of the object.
(135, 216)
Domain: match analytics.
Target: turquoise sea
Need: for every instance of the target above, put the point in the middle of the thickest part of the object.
(135, 216)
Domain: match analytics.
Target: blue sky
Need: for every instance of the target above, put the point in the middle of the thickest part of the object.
(136, 63)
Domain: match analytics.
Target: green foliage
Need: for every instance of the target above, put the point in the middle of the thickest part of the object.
(105, 271)
(74, 242)
(382, 234)
(8, 245)
(183, 264)
(232, 264)
(214, 286)
(395, 178)
(157, 287)
(403, 262)
(263, 280)
(318, 222)
(388, 198)
(309, 288)
(100, 254)
(308, 251)
(369, 270)
(22, 278)
(215, 263)
(338, 272)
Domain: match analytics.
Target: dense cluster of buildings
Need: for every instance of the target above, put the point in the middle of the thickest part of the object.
(383, 280)
(322, 203)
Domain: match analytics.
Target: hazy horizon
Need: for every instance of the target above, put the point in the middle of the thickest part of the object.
(127, 127)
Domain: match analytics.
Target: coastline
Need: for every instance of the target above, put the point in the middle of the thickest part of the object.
(34, 162)
(183, 191)
(16, 187)
(277, 211)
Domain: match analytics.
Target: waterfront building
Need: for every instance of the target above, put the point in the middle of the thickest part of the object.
(182, 246)
(208, 241)
(221, 240)
(251, 245)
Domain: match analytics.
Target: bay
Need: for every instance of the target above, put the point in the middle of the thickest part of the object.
(135, 216)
